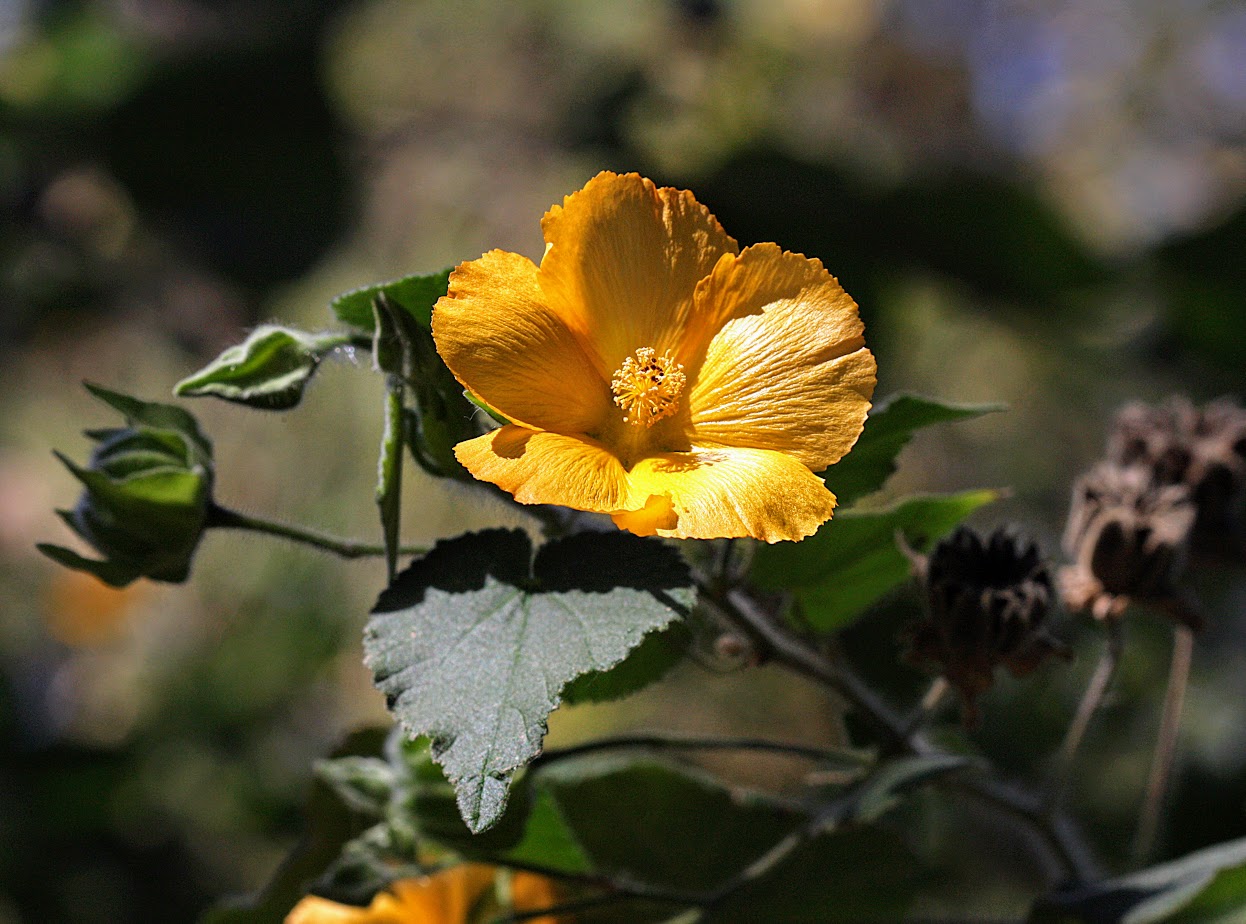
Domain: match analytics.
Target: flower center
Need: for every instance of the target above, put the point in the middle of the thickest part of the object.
(647, 386)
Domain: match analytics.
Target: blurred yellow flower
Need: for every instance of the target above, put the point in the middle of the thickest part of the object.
(81, 610)
(460, 895)
(653, 371)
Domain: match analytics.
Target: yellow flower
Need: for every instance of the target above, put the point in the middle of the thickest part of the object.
(653, 371)
(453, 896)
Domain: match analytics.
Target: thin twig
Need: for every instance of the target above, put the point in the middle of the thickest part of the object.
(224, 518)
(936, 693)
(1165, 743)
(1092, 699)
(657, 742)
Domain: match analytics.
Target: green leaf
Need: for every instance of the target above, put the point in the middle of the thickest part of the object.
(647, 663)
(888, 429)
(365, 784)
(268, 370)
(474, 643)
(399, 315)
(851, 562)
(892, 779)
(673, 827)
(1206, 886)
(844, 877)
(417, 294)
(664, 824)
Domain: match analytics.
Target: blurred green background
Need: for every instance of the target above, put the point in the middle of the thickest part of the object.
(1034, 201)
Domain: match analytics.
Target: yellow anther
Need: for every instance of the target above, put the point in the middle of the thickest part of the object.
(647, 386)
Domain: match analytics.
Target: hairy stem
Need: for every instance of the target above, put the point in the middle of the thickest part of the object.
(1092, 699)
(224, 518)
(1165, 743)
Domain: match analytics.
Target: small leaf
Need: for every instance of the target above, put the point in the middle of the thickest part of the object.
(664, 824)
(888, 429)
(365, 784)
(1207, 885)
(474, 643)
(417, 294)
(851, 562)
(891, 780)
(268, 370)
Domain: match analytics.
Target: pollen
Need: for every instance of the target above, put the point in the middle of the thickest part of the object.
(647, 387)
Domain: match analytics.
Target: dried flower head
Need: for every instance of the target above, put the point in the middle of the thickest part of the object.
(1128, 537)
(1201, 448)
(986, 605)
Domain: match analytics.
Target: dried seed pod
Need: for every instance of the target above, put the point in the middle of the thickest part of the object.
(1201, 448)
(986, 605)
(1128, 537)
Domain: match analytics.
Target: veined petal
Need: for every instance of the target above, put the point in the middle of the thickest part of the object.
(622, 261)
(788, 370)
(548, 468)
(495, 332)
(726, 492)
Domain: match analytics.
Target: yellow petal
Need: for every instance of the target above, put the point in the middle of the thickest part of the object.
(726, 492)
(622, 261)
(446, 897)
(548, 468)
(499, 339)
(530, 891)
(315, 910)
(788, 370)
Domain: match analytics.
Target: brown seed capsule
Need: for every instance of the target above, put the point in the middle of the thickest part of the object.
(986, 605)
(1201, 448)
(1128, 537)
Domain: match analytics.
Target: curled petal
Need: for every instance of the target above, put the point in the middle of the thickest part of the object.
(548, 468)
(726, 492)
(495, 332)
(622, 261)
(788, 370)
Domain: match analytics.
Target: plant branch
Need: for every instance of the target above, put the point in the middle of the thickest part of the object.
(1059, 840)
(1092, 699)
(224, 518)
(655, 742)
(1166, 742)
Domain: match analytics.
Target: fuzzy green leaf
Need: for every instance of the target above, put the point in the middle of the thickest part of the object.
(851, 562)
(417, 294)
(474, 643)
(888, 429)
(268, 370)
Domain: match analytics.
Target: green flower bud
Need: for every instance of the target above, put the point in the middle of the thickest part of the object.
(147, 493)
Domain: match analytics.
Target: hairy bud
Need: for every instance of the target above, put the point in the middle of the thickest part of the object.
(146, 494)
